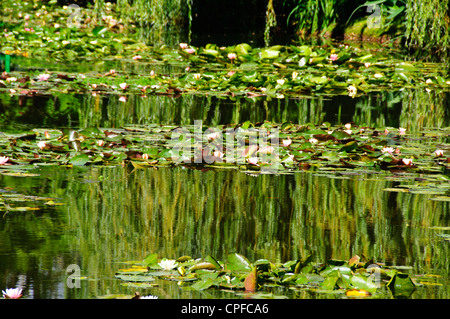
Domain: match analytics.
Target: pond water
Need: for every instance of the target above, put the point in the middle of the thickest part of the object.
(107, 217)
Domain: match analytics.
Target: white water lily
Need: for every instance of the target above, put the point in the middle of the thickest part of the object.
(149, 297)
(42, 145)
(253, 160)
(407, 161)
(12, 293)
(352, 90)
(168, 264)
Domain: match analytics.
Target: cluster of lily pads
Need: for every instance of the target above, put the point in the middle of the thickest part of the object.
(257, 147)
(357, 277)
(275, 71)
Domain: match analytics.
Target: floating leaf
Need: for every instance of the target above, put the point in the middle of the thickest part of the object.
(79, 160)
(202, 284)
(237, 262)
(250, 282)
(401, 284)
(135, 278)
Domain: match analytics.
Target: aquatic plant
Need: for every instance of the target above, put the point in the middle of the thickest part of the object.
(12, 293)
(354, 278)
(275, 71)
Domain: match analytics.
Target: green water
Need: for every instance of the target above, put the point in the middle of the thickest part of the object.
(111, 216)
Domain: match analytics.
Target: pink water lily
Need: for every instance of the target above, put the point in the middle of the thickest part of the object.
(190, 50)
(3, 160)
(123, 86)
(43, 77)
(389, 150)
(287, 142)
(183, 46)
(334, 57)
(439, 153)
(12, 293)
(232, 56)
(253, 160)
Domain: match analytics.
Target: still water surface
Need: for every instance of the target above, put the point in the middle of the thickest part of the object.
(113, 215)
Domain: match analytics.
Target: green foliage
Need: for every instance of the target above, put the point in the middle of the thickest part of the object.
(427, 28)
(334, 276)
